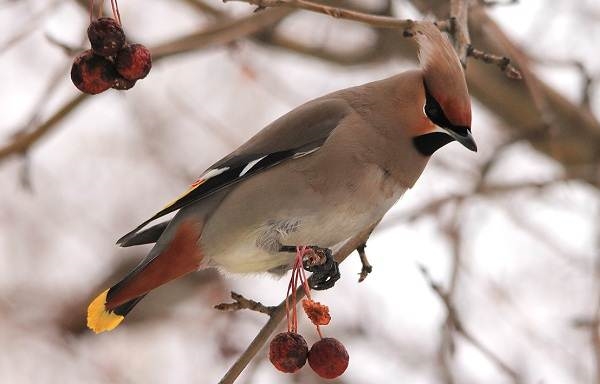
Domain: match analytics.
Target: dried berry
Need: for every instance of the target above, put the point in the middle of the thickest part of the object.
(288, 351)
(91, 73)
(106, 35)
(134, 61)
(316, 312)
(328, 358)
(123, 84)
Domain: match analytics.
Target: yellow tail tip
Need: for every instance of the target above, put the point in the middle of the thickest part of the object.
(100, 319)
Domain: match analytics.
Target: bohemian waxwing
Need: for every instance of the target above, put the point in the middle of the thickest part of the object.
(316, 176)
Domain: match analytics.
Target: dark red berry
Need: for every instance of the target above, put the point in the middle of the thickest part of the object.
(134, 61)
(92, 73)
(288, 352)
(123, 84)
(106, 35)
(328, 358)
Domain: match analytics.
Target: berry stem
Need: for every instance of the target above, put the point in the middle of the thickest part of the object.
(297, 279)
(91, 11)
(115, 9)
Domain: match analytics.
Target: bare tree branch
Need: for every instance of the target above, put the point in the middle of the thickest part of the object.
(22, 142)
(336, 12)
(459, 28)
(457, 325)
(240, 302)
(502, 62)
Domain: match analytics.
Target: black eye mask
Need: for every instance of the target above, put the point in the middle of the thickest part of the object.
(434, 111)
(428, 143)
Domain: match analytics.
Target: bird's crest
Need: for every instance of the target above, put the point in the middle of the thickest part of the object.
(443, 73)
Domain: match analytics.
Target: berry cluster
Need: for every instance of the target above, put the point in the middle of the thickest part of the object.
(112, 62)
(289, 351)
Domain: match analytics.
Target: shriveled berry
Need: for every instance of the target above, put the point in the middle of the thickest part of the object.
(106, 35)
(316, 312)
(134, 61)
(92, 73)
(122, 84)
(328, 358)
(288, 351)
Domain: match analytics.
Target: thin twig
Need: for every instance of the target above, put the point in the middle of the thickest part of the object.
(240, 302)
(336, 12)
(588, 80)
(223, 33)
(206, 9)
(21, 143)
(503, 62)
(458, 326)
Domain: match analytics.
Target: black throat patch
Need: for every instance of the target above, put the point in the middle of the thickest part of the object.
(428, 143)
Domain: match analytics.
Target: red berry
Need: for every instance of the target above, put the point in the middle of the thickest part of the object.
(123, 84)
(134, 61)
(328, 358)
(288, 352)
(91, 73)
(106, 35)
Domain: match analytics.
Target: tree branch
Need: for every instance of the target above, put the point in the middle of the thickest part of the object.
(22, 142)
(459, 28)
(336, 12)
(456, 324)
(240, 302)
(503, 62)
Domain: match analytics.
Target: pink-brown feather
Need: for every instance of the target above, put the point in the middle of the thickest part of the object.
(443, 73)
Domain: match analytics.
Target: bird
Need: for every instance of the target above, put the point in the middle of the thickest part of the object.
(314, 177)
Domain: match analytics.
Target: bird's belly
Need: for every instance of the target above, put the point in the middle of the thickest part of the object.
(325, 228)
(247, 255)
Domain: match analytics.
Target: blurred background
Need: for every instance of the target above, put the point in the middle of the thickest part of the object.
(509, 236)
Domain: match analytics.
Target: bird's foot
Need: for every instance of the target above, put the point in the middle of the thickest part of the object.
(319, 261)
(366, 266)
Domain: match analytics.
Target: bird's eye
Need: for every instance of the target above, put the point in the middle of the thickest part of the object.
(434, 111)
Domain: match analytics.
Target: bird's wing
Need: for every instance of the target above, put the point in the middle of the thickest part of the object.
(296, 134)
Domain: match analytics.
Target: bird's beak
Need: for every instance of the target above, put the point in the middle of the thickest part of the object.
(463, 136)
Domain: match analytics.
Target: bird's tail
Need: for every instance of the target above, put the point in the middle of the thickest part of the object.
(100, 319)
(163, 264)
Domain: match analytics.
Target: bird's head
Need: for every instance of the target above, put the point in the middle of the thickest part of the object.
(447, 105)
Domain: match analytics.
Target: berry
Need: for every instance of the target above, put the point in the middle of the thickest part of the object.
(106, 35)
(91, 73)
(316, 312)
(134, 61)
(328, 358)
(123, 84)
(288, 351)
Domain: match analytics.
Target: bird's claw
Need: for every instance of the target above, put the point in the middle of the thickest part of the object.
(325, 272)
(319, 261)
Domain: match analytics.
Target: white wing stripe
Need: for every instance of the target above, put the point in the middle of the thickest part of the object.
(213, 172)
(249, 166)
(300, 154)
